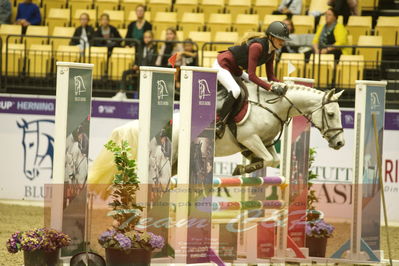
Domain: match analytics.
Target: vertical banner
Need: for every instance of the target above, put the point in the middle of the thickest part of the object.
(300, 139)
(71, 149)
(370, 99)
(195, 168)
(154, 159)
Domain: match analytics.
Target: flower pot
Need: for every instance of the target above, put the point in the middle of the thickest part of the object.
(317, 246)
(129, 257)
(39, 257)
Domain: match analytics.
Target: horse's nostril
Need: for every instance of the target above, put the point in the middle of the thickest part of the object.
(340, 144)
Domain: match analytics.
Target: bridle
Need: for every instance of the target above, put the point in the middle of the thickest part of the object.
(324, 129)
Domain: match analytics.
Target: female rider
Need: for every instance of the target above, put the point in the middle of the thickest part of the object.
(247, 56)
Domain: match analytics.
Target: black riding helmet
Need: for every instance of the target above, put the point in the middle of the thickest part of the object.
(278, 30)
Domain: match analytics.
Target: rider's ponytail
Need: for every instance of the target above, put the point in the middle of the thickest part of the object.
(249, 36)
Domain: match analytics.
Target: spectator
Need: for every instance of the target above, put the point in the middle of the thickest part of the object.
(107, 31)
(28, 14)
(189, 57)
(289, 7)
(136, 29)
(146, 56)
(344, 8)
(168, 49)
(84, 31)
(5, 12)
(299, 43)
(331, 33)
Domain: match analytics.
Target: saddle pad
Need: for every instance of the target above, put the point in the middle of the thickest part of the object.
(243, 114)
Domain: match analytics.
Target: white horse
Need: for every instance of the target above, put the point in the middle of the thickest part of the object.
(267, 114)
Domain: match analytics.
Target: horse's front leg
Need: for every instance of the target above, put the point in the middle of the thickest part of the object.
(255, 144)
(273, 152)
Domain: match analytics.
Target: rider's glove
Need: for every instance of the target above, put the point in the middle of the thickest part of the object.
(279, 88)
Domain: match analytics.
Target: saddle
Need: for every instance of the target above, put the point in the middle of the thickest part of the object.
(240, 109)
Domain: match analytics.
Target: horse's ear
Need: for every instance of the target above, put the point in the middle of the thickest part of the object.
(338, 94)
(330, 93)
(24, 124)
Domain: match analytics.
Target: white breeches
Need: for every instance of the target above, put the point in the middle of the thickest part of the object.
(227, 80)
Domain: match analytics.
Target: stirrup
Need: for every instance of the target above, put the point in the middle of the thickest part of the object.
(220, 129)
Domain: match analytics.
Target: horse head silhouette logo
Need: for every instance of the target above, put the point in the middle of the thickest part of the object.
(79, 85)
(162, 89)
(38, 147)
(375, 101)
(203, 89)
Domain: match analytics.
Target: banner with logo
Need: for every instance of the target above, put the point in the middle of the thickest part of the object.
(71, 152)
(195, 167)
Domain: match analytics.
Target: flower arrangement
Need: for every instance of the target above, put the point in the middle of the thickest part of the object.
(319, 229)
(125, 212)
(315, 225)
(45, 239)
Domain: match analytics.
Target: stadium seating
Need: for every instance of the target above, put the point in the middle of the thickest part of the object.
(159, 6)
(231, 37)
(185, 6)
(349, 69)
(162, 21)
(303, 24)
(74, 5)
(36, 31)
(98, 57)
(372, 56)
(246, 22)
(39, 60)
(208, 7)
(323, 65)
(192, 22)
(219, 22)
(116, 17)
(265, 7)
(200, 37)
(120, 60)
(388, 28)
(92, 15)
(58, 17)
(13, 61)
(359, 25)
(61, 32)
(67, 53)
(130, 6)
(236, 7)
(6, 30)
(296, 59)
(270, 18)
(50, 4)
(103, 5)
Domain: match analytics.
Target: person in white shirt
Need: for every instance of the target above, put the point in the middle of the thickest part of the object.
(289, 7)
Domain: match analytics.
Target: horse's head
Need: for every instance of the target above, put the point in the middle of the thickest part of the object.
(30, 145)
(37, 146)
(327, 119)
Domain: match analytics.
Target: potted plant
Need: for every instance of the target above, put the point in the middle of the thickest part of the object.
(317, 233)
(123, 243)
(41, 246)
(317, 230)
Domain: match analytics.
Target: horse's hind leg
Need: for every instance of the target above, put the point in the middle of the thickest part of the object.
(255, 144)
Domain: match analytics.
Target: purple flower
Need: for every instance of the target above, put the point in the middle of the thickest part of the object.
(156, 241)
(123, 241)
(319, 228)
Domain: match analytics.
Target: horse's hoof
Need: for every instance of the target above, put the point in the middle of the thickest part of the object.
(239, 170)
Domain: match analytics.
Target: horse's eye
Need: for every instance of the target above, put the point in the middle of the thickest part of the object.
(31, 144)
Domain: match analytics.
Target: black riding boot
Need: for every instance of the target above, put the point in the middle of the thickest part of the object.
(224, 115)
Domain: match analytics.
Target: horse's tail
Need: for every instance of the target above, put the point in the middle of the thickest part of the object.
(103, 168)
